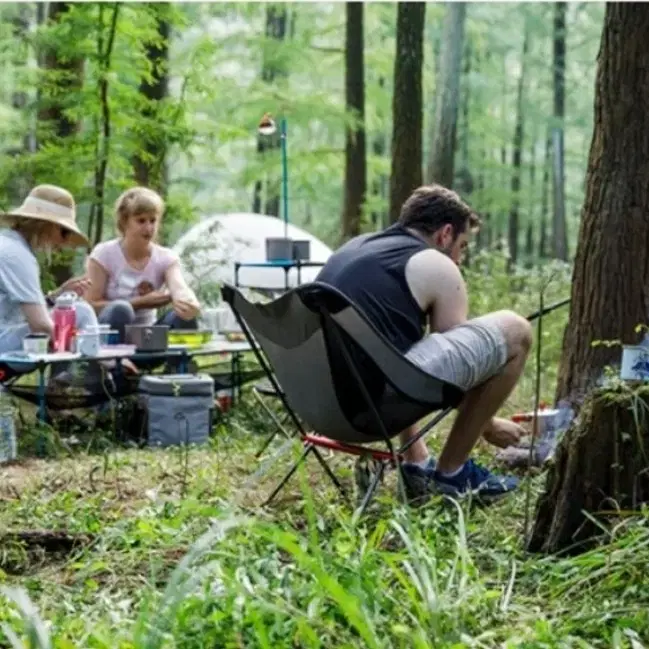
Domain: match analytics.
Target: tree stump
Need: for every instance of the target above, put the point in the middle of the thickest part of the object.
(601, 467)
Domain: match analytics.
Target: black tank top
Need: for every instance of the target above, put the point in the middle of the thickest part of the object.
(370, 271)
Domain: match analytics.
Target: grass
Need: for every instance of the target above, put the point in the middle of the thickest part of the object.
(180, 556)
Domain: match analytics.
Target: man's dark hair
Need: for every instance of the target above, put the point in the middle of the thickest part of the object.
(431, 207)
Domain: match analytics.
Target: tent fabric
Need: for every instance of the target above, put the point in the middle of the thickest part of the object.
(211, 247)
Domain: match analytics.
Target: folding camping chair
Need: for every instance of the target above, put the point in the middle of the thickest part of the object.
(339, 376)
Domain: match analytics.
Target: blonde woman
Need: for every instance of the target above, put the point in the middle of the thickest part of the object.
(132, 276)
(45, 221)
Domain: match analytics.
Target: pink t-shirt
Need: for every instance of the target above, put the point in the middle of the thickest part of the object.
(125, 282)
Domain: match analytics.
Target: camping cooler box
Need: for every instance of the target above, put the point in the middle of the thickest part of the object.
(179, 408)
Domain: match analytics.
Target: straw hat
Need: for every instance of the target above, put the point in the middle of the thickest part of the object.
(54, 205)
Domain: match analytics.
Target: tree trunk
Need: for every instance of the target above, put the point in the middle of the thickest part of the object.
(276, 20)
(559, 230)
(149, 163)
(531, 211)
(517, 150)
(545, 188)
(355, 154)
(610, 289)
(600, 467)
(442, 160)
(407, 105)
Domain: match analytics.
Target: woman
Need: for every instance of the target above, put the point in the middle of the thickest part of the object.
(45, 221)
(132, 276)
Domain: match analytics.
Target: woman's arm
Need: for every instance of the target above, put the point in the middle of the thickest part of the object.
(185, 302)
(178, 287)
(96, 292)
(38, 318)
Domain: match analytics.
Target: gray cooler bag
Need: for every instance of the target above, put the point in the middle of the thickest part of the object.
(179, 408)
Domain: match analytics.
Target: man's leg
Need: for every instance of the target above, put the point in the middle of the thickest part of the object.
(481, 403)
(486, 363)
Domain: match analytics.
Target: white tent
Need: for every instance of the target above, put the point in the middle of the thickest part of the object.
(210, 248)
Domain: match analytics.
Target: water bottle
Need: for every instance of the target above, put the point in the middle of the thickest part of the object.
(8, 445)
(64, 317)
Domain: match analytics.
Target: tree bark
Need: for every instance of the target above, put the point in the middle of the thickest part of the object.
(442, 161)
(355, 154)
(610, 288)
(600, 467)
(407, 105)
(559, 228)
(149, 163)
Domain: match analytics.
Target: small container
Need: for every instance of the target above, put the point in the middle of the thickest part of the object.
(635, 363)
(36, 343)
(301, 250)
(88, 343)
(279, 249)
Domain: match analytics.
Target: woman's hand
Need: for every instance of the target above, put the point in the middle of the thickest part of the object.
(78, 285)
(186, 309)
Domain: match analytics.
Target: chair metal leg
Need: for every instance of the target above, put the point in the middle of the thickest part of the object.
(330, 473)
(367, 498)
(309, 449)
(275, 420)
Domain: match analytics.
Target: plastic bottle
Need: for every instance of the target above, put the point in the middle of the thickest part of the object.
(65, 322)
(8, 445)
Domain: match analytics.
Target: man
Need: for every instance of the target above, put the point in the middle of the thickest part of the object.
(406, 277)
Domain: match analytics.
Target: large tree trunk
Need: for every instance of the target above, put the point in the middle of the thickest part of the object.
(355, 154)
(407, 105)
(442, 159)
(600, 469)
(276, 21)
(600, 463)
(559, 229)
(149, 162)
(610, 289)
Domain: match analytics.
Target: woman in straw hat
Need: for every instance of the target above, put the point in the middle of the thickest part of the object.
(45, 221)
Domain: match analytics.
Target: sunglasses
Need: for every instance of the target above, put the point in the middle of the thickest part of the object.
(64, 232)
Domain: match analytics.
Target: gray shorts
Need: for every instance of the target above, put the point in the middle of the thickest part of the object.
(466, 355)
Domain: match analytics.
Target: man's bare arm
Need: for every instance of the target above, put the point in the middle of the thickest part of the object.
(438, 287)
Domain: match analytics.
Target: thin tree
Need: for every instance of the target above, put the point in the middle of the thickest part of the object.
(355, 154)
(272, 70)
(442, 158)
(517, 152)
(559, 229)
(407, 105)
(149, 162)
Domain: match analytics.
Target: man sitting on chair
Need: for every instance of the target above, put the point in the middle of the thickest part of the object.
(407, 276)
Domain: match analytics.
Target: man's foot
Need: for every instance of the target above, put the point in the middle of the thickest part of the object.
(418, 481)
(476, 480)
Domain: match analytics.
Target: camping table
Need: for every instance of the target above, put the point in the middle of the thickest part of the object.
(40, 362)
(286, 265)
